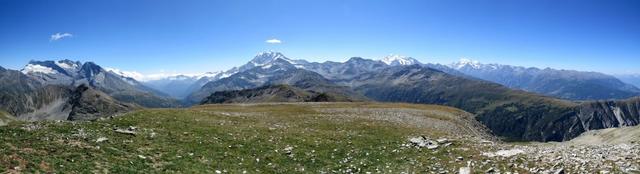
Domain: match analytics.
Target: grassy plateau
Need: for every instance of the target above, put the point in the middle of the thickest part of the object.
(250, 138)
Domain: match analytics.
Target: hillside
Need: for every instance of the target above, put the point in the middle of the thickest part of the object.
(279, 138)
(271, 138)
(275, 93)
(511, 114)
(609, 136)
(5, 118)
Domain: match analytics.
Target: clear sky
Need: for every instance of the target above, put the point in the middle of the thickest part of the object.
(150, 36)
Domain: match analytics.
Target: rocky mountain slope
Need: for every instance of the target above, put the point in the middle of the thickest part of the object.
(606, 114)
(274, 93)
(345, 70)
(70, 73)
(278, 71)
(565, 84)
(28, 99)
(19, 94)
(89, 104)
(512, 114)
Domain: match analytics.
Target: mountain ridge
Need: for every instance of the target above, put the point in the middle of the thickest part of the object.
(74, 73)
(565, 84)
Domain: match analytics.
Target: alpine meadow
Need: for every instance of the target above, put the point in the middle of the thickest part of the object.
(320, 86)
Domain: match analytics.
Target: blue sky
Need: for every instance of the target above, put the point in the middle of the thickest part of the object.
(150, 36)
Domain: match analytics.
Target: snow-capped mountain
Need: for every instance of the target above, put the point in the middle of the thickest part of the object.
(567, 84)
(75, 73)
(277, 71)
(397, 60)
(263, 59)
(466, 63)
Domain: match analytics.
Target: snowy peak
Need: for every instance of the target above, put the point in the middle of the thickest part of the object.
(68, 64)
(51, 67)
(398, 60)
(267, 57)
(466, 63)
(36, 68)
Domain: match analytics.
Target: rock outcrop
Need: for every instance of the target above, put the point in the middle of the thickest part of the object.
(608, 114)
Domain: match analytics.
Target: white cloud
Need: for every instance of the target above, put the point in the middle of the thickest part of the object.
(274, 41)
(58, 36)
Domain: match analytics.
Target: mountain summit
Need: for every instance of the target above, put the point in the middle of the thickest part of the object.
(266, 57)
(396, 60)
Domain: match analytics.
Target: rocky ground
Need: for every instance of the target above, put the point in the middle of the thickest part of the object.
(563, 158)
(614, 150)
(300, 138)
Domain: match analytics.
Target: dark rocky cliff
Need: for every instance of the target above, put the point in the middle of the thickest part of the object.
(607, 114)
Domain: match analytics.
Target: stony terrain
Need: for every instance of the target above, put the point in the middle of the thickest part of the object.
(293, 138)
(568, 157)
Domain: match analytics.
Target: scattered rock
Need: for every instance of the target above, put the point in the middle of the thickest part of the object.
(124, 131)
(289, 151)
(464, 170)
(490, 170)
(423, 141)
(101, 139)
(559, 171)
(504, 153)
(419, 141)
(31, 127)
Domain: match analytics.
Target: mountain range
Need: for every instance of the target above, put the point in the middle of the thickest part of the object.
(565, 84)
(516, 103)
(27, 98)
(70, 73)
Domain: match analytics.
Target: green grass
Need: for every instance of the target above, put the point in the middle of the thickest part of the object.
(231, 138)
